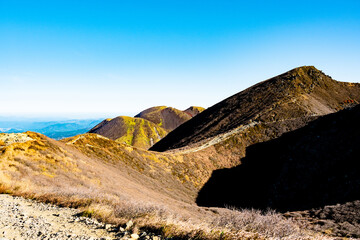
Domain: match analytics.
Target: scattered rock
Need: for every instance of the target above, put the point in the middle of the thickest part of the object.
(21, 220)
(134, 236)
(129, 224)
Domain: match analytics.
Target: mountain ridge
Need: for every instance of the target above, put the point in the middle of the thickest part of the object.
(92, 170)
(300, 92)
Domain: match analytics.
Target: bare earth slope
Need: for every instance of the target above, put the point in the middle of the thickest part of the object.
(166, 117)
(301, 92)
(133, 131)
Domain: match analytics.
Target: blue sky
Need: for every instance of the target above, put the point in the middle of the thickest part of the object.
(109, 58)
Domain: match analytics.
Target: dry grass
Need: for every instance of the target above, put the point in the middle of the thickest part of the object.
(114, 193)
(224, 224)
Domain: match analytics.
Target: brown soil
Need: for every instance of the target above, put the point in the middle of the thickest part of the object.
(167, 117)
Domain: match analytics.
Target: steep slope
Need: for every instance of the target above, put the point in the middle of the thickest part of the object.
(166, 117)
(133, 131)
(311, 167)
(303, 92)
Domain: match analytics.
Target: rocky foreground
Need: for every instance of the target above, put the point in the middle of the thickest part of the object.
(26, 219)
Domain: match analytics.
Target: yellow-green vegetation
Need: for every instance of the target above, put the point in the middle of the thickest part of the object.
(194, 110)
(199, 109)
(146, 128)
(141, 133)
(136, 132)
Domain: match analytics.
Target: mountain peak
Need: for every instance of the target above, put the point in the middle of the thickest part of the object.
(301, 92)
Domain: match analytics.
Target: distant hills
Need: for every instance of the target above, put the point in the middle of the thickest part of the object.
(133, 131)
(53, 129)
(167, 117)
(147, 127)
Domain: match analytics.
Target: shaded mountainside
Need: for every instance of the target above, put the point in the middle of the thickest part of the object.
(303, 92)
(133, 131)
(315, 168)
(167, 117)
(310, 167)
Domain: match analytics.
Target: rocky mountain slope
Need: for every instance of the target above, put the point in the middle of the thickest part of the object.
(133, 131)
(303, 92)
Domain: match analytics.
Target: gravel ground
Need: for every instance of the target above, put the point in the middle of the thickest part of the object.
(26, 219)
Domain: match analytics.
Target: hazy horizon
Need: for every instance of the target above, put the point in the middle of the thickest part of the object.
(91, 60)
(40, 117)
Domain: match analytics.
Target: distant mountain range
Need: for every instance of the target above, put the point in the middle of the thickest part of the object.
(53, 129)
(143, 130)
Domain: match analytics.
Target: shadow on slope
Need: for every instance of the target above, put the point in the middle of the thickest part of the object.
(310, 167)
(303, 91)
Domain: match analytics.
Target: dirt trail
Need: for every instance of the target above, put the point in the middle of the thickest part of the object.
(26, 219)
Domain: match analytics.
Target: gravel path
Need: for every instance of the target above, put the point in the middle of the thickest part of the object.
(26, 219)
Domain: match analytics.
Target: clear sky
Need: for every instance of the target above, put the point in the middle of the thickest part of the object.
(108, 58)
